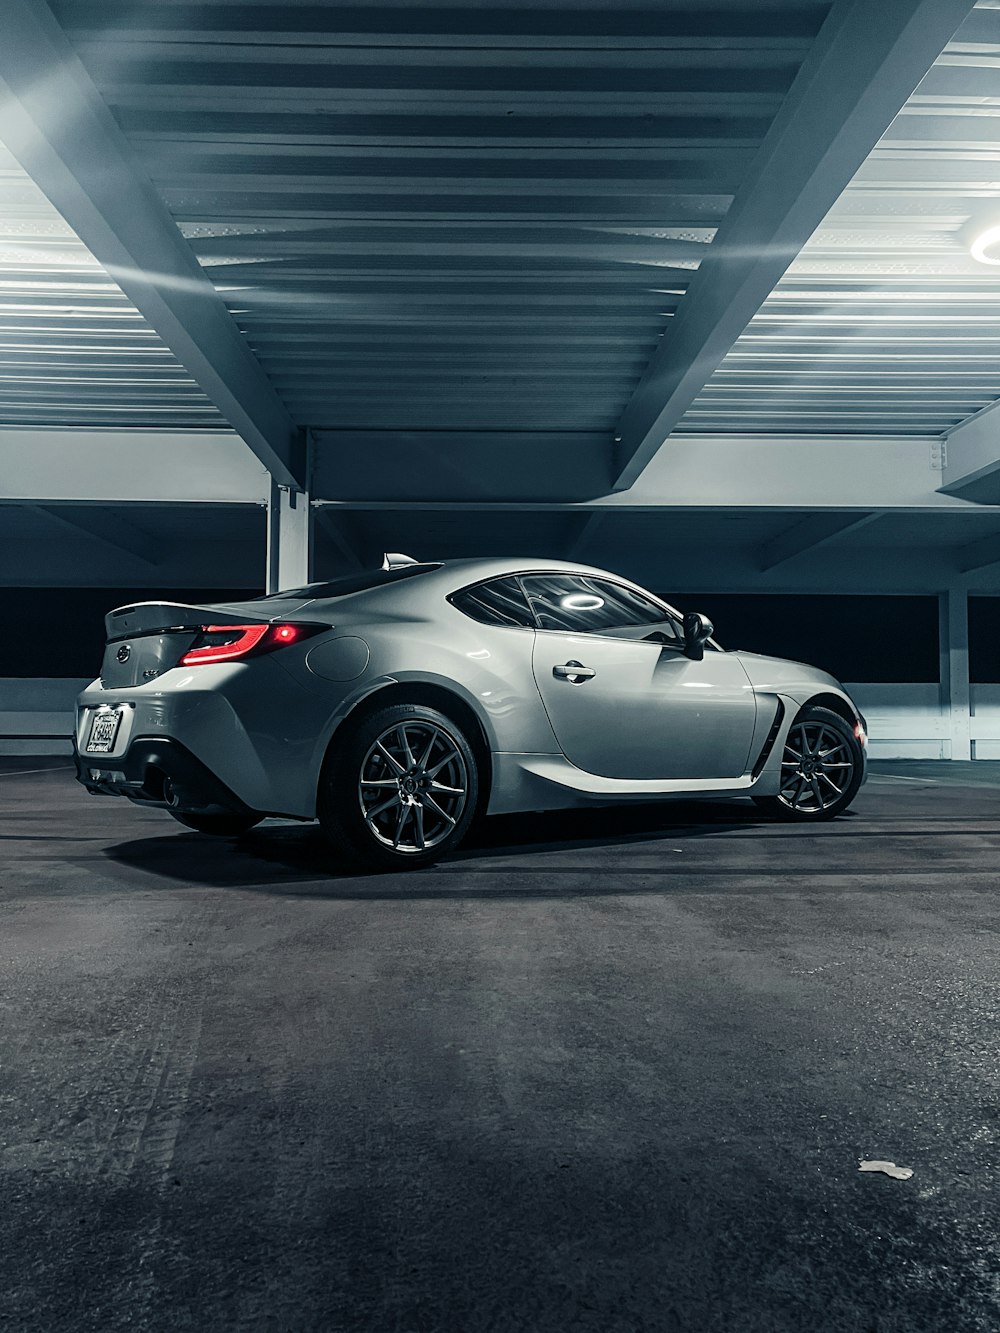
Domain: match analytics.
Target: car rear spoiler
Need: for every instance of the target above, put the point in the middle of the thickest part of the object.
(150, 617)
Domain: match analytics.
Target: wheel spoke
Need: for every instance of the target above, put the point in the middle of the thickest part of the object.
(814, 787)
(418, 815)
(405, 745)
(829, 782)
(433, 772)
(427, 753)
(379, 782)
(437, 809)
(391, 758)
(380, 809)
(796, 755)
(404, 814)
(451, 791)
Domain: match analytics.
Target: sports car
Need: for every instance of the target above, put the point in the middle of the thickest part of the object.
(398, 704)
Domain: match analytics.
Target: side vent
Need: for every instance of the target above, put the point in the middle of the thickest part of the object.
(768, 746)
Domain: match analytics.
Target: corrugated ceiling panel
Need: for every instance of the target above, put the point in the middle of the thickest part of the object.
(447, 216)
(73, 350)
(885, 324)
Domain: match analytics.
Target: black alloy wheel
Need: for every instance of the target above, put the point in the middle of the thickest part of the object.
(821, 768)
(400, 789)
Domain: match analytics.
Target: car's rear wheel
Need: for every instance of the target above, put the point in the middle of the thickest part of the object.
(821, 768)
(220, 825)
(400, 789)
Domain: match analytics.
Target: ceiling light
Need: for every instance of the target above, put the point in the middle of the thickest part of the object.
(986, 246)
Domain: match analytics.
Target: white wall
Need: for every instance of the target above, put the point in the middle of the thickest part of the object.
(36, 716)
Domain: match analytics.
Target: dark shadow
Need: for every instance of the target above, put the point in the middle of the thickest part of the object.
(277, 857)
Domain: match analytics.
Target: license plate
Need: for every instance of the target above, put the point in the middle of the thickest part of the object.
(104, 730)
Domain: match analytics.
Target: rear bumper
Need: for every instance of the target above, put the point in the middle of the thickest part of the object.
(159, 772)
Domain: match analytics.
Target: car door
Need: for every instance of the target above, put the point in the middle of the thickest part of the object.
(623, 699)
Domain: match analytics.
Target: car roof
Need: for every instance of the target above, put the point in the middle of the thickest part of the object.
(484, 567)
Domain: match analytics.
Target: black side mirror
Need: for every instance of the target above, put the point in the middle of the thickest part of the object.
(698, 629)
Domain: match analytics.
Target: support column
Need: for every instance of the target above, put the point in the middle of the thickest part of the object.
(953, 613)
(289, 538)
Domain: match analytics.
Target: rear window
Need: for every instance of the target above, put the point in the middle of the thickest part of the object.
(499, 602)
(349, 583)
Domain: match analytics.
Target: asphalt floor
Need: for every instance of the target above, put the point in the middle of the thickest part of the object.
(606, 1070)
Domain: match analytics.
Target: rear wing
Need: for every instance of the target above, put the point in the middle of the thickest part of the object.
(150, 617)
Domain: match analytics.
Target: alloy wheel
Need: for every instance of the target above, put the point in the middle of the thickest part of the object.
(413, 786)
(816, 768)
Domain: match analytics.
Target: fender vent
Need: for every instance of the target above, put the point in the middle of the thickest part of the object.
(768, 745)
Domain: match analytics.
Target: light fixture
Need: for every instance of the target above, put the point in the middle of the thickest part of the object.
(986, 246)
(980, 234)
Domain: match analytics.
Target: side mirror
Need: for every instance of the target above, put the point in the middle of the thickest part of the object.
(698, 629)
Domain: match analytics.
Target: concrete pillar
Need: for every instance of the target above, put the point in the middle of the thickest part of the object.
(953, 612)
(289, 538)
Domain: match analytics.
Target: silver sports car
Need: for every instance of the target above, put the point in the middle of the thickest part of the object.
(397, 704)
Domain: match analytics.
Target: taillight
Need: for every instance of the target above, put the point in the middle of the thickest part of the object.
(859, 732)
(229, 643)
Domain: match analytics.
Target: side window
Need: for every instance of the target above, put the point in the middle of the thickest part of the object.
(585, 605)
(500, 602)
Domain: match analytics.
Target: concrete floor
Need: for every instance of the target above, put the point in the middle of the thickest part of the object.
(610, 1071)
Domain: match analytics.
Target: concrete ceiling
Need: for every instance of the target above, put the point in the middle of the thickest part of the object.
(456, 254)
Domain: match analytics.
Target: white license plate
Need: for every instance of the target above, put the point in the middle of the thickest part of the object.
(104, 730)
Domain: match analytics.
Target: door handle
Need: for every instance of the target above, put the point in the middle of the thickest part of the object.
(575, 672)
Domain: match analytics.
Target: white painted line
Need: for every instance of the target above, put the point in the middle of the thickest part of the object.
(23, 772)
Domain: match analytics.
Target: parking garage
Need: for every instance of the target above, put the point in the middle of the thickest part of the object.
(702, 296)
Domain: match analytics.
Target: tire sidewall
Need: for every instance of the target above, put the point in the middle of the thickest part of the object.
(339, 806)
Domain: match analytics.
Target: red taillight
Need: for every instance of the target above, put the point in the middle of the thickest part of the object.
(228, 643)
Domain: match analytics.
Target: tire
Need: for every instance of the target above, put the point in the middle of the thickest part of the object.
(219, 825)
(400, 789)
(822, 767)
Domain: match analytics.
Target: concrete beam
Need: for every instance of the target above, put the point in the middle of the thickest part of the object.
(856, 77)
(809, 533)
(588, 530)
(979, 555)
(107, 467)
(332, 528)
(972, 458)
(118, 533)
(710, 472)
(461, 464)
(60, 130)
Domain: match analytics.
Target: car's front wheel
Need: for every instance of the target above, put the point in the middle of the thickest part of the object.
(400, 789)
(821, 768)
